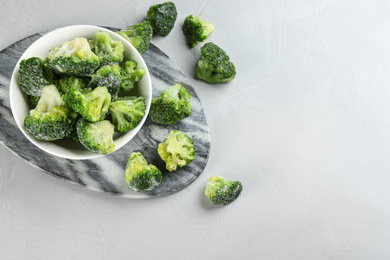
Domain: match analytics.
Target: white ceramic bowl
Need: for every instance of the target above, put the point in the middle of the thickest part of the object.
(40, 48)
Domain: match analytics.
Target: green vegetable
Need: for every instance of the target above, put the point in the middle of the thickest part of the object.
(177, 150)
(139, 35)
(171, 106)
(108, 76)
(73, 58)
(67, 83)
(33, 100)
(221, 191)
(96, 137)
(127, 113)
(108, 50)
(90, 104)
(141, 176)
(162, 17)
(33, 76)
(196, 30)
(49, 120)
(215, 65)
(130, 74)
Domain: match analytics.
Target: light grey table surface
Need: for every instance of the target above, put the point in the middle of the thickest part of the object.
(304, 126)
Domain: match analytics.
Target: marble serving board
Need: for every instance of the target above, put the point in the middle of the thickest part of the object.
(107, 173)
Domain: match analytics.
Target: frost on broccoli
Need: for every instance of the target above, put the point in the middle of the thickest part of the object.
(177, 150)
(49, 120)
(215, 65)
(139, 35)
(130, 74)
(171, 106)
(96, 137)
(108, 76)
(141, 176)
(127, 113)
(162, 17)
(108, 50)
(90, 104)
(221, 191)
(73, 58)
(196, 30)
(33, 76)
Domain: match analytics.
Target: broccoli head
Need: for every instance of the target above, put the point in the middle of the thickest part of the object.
(96, 137)
(108, 76)
(162, 17)
(171, 106)
(215, 65)
(139, 35)
(67, 83)
(127, 113)
(108, 50)
(196, 30)
(141, 176)
(177, 150)
(130, 74)
(73, 58)
(221, 191)
(33, 76)
(90, 104)
(49, 120)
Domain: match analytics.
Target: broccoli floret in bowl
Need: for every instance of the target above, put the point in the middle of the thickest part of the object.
(215, 65)
(196, 30)
(108, 76)
(162, 17)
(127, 113)
(171, 106)
(130, 74)
(108, 50)
(177, 150)
(141, 176)
(221, 192)
(139, 35)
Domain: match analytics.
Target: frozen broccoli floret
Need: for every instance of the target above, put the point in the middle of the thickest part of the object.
(127, 113)
(177, 150)
(49, 120)
(130, 74)
(33, 76)
(221, 191)
(67, 83)
(171, 106)
(139, 35)
(215, 65)
(162, 17)
(196, 30)
(108, 76)
(90, 104)
(141, 176)
(108, 50)
(73, 58)
(33, 100)
(96, 137)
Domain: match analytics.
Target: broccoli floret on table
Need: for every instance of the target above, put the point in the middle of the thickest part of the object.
(196, 30)
(90, 104)
(139, 35)
(221, 191)
(73, 58)
(171, 106)
(162, 17)
(177, 150)
(215, 65)
(127, 113)
(107, 49)
(130, 74)
(50, 120)
(33, 76)
(141, 176)
(96, 137)
(108, 76)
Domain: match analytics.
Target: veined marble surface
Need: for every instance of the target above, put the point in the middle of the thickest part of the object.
(107, 173)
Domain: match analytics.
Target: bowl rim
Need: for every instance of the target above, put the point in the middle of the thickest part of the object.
(79, 31)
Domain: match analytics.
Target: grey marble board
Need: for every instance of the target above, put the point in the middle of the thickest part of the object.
(107, 174)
